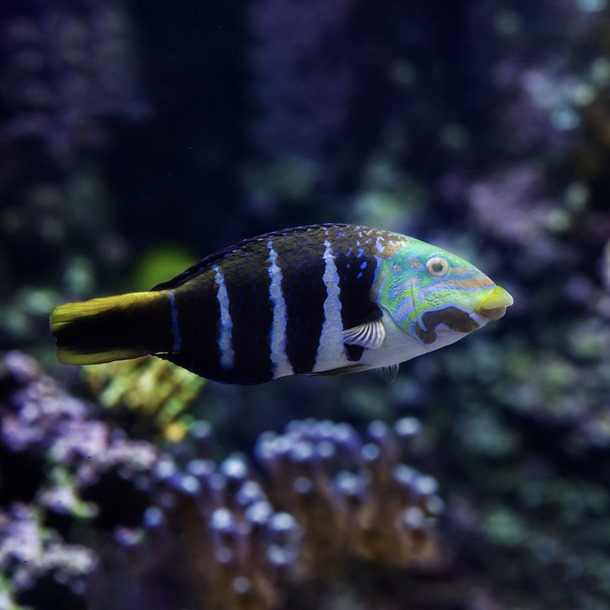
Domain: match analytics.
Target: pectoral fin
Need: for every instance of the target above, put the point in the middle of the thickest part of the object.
(369, 335)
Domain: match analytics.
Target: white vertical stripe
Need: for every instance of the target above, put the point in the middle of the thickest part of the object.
(225, 324)
(175, 327)
(281, 364)
(330, 350)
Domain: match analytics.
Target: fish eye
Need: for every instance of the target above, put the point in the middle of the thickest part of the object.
(437, 266)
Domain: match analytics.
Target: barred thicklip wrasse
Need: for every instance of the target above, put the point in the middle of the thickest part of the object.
(320, 299)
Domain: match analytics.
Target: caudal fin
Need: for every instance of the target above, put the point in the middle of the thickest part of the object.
(112, 328)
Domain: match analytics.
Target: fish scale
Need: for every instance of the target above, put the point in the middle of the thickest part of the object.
(319, 299)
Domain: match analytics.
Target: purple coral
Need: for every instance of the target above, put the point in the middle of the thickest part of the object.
(352, 495)
(42, 569)
(185, 529)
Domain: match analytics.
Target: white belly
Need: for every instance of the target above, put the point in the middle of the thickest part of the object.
(397, 347)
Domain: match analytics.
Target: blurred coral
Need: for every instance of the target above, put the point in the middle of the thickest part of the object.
(67, 67)
(42, 570)
(226, 525)
(66, 72)
(353, 496)
(154, 390)
(181, 525)
(303, 79)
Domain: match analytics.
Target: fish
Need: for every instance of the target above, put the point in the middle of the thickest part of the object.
(318, 300)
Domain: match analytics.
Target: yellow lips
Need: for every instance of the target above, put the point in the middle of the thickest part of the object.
(494, 305)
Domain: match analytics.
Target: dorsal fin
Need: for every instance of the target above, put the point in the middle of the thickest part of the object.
(215, 257)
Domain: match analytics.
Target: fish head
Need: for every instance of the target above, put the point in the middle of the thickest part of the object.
(437, 297)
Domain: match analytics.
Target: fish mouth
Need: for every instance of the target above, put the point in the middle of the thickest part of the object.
(494, 305)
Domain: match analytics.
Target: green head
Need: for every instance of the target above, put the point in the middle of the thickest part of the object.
(435, 296)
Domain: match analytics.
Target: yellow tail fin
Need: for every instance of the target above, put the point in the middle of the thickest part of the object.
(112, 328)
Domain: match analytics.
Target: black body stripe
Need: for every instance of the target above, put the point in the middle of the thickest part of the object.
(300, 257)
(198, 318)
(248, 281)
(356, 276)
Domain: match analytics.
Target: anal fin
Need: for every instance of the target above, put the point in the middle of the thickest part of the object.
(344, 370)
(387, 373)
